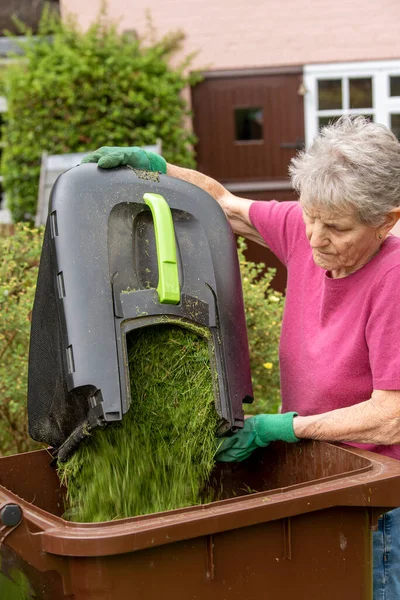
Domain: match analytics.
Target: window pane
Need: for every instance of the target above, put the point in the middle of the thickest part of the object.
(395, 85)
(324, 121)
(395, 125)
(360, 92)
(329, 94)
(248, 124)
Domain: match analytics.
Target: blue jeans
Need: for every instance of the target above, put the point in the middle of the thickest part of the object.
(386, 544)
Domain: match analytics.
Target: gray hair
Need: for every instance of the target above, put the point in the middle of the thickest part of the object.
(351, 164)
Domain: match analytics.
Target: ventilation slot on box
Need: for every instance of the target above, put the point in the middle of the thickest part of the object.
(60, 285)
(53, 224)
(70, 360)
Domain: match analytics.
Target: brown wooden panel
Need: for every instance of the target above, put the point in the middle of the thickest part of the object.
(257, 253)
(257, 164)
(219, 154)
(27, 11)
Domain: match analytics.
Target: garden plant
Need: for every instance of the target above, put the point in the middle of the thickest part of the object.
(19, 260)
(74, 91)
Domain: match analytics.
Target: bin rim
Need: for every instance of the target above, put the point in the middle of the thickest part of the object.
(368, 486)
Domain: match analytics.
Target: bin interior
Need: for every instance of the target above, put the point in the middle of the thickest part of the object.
(283, 466)
(31, 476)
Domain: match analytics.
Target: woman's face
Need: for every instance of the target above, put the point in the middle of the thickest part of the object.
(339, 242)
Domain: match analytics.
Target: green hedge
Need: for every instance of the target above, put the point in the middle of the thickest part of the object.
(19, 260)
(75, 91)
(264, 312)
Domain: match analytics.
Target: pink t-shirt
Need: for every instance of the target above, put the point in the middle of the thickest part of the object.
(340, 337)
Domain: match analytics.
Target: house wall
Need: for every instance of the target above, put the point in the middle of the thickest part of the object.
(259, 33)
(263, 33)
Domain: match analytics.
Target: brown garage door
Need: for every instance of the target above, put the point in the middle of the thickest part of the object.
(249, 125)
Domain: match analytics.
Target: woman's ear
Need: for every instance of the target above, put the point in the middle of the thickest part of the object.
(391, 219)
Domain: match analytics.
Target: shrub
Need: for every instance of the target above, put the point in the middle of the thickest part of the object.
(264, 310)
(76, 91)
(19, 260)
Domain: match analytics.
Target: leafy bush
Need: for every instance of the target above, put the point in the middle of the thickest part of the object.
(264, 310)
(77, 91)
(19, 259)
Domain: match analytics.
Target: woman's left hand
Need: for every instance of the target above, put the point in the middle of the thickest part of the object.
(257, 432)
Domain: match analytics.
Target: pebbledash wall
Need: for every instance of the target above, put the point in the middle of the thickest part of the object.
(234, 34)
(332, 41)
(337, 40)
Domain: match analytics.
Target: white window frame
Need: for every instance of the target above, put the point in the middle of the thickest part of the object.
(383, 104)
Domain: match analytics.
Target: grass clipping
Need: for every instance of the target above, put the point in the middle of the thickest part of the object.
(162, 454)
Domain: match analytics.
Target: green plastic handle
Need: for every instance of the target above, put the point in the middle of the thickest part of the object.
(168, 280)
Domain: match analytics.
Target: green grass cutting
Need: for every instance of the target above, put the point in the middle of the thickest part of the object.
(161, 455)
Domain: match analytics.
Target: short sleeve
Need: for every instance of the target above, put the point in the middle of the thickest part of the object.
(280, 224)
(383, 333)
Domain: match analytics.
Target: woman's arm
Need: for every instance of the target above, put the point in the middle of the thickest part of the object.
(375, 421)
(236, 209)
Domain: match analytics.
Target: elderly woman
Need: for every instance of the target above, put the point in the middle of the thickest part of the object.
(340, 341)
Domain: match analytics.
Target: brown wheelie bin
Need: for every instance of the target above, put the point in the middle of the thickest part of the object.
(292, 521)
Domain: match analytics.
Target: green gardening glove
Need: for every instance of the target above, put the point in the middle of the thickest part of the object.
(257, 432)
(108, 157)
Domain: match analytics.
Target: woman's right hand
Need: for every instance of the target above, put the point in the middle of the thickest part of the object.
(108, 157)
